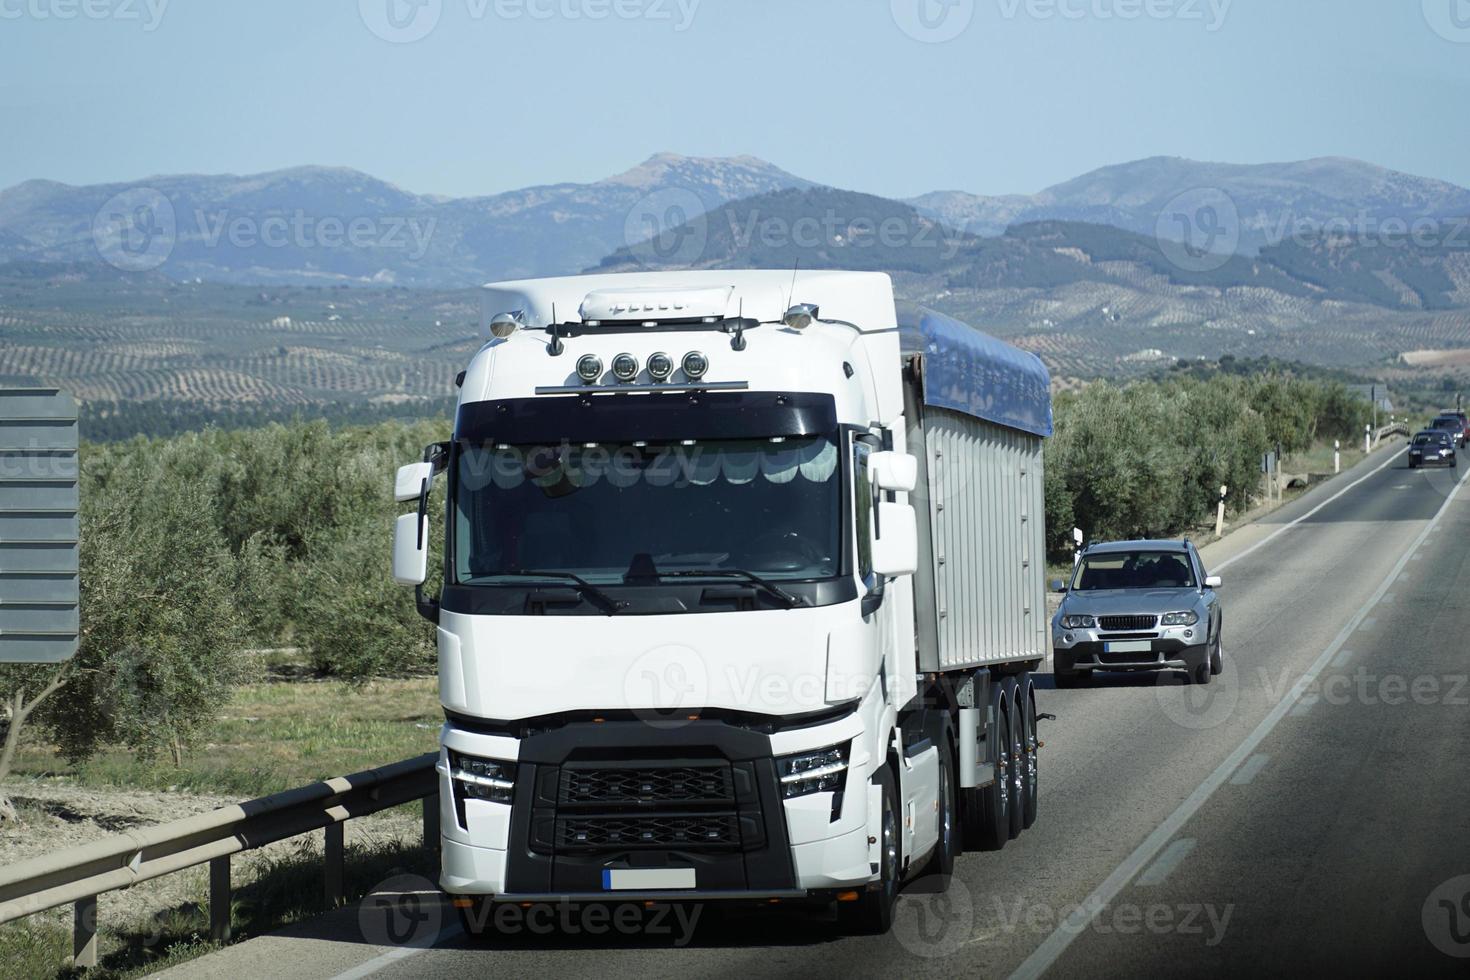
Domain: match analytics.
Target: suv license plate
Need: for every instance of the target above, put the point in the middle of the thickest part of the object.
(1129, 646)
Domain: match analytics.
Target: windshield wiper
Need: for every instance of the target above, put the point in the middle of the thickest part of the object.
(769, 588)
(584, 588)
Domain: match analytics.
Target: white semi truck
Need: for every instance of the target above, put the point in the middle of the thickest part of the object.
(742, 588)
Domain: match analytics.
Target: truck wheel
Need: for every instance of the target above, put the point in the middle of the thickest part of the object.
(1031, 794)
(947, 849)
(1018, 758)
(996, 802)
(873, 913)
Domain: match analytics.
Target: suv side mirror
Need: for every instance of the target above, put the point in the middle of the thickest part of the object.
(1213, 581)
(898, 472)
(1057, 585)
(896, 549)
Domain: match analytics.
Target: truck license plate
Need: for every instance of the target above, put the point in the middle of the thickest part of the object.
(1128, 646)
(647, 879)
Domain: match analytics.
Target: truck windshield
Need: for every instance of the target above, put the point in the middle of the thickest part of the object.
(767, 506)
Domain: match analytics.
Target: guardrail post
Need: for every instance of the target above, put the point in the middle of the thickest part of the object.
(219, 899)
(333, 849)
(84, 933)
(431, 821)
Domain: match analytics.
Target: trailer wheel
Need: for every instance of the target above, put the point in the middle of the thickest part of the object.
(873, 913)
(1018, 757)
(947, 849)
(995, 799)
(1031, 796)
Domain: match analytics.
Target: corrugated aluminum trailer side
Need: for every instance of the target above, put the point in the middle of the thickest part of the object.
(980, 592)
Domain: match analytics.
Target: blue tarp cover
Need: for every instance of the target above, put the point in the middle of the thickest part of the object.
(971, 372)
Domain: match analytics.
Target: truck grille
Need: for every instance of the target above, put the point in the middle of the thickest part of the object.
(1128, 623)
(705, 831)
(615, 786)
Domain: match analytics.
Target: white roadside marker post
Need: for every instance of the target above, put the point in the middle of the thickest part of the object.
(1336, 456)
(1220, 515)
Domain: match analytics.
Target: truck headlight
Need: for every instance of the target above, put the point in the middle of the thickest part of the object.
(1179, 619)
(1078, 622)
(483, 779)
(821, 771)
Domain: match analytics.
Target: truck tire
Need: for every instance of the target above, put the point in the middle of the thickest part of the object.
(872, 914)
(995, 799)
(1031, 793)
(941, 864)
(1018, 757)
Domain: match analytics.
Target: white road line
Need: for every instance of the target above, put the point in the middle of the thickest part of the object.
(1056, 944)
(1287, 527)
(1252, 768)
(1344, 658)
(1159, 871)
(396, 955)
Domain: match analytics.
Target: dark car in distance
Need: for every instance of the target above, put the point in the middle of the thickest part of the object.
(1432, 447)
(1456, 424)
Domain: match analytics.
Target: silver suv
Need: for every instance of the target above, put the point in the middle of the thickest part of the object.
(1137, 605)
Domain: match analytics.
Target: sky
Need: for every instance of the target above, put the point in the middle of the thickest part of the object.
(893, 97)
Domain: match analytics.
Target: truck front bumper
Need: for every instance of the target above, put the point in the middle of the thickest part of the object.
(707, 797)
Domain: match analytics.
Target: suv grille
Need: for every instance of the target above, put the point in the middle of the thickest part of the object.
(630, 786)
(1128, 623)
(699, 830)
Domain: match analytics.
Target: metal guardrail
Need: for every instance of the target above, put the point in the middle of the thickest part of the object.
(77, 875)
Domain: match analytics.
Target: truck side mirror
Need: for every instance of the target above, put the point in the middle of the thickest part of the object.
(411, 549)
(896, 549)
(898, 472)
(411, 531)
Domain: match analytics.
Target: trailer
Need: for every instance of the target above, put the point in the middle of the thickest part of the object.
(742, 592)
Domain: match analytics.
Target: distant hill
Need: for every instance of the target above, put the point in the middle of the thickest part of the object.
(324, 225)
(328, 225)
(1271, 200)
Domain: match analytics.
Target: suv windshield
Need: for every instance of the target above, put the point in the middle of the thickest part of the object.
(1431, 438)
(604, 511)
(1134, 570)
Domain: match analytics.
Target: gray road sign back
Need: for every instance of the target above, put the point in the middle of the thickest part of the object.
(38, 526)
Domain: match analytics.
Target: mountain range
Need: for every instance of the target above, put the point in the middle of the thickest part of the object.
(332, 225)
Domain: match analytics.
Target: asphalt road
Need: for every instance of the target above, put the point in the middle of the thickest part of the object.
(1310, 810)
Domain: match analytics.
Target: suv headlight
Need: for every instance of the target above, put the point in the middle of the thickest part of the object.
(821, 771)
(483, 779)
(1179, 619)
(1078, 622)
